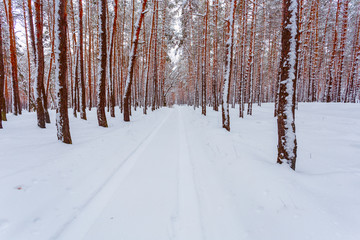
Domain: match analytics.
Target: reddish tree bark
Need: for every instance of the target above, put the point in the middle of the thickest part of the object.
(2, 78)
(132, 59)
(62, 119)
(102, 65)
(14, 65)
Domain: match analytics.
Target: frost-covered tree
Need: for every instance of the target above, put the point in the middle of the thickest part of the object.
(287, 145)
(62, 119)
(228, 67)
(132, 59)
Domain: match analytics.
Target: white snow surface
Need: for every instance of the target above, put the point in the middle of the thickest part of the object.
(175, 174)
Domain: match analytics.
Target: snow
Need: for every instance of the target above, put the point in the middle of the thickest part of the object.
(175, 174)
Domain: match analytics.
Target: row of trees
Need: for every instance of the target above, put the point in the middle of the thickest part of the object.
(73, 59)
(229, 52)
(328, 52)
(243, 52)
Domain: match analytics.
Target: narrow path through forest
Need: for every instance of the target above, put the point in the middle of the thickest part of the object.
(161, 201)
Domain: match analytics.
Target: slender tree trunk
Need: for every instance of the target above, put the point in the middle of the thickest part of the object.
(14, 64)
(2, 77)
(215, 60)
(204, 63)
(82, 74)
(148, 60)
(331, 79)
(32, 31)
(132, 58)
(110, 67)
(28, 58)
(40, 64)
(228, 67)
(102, 65)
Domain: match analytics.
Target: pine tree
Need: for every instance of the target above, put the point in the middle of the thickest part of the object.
(13, 60)
(228, 67)
(287, 144)
(40, 64)
(132, 59)
(81, 64)
(2, 76)
(62, 119)
(102, 65)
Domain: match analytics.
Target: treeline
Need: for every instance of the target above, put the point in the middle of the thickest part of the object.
(329, 52)
(116, 55)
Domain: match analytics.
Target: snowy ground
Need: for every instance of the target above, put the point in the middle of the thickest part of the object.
(175, 174)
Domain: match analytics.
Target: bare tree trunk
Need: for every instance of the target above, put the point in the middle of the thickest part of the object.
(287, 145)
(132, 58)
(62, 119)
(102, 65)
(110, 68)
(204, 63)
(2, 77)
(148, 60)
(82, 74)
(228, 67)
(40, 64)
(14, 64)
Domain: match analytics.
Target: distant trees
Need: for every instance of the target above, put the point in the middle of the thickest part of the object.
(327, 36)
(112, 62)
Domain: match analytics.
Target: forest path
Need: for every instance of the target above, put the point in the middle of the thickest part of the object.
(156, 192)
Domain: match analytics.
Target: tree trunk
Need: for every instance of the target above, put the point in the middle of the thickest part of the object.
(132, 58)
(40, 65)
(2, 77)
(81, 61)
(287, 145)
(14, 64)
(62, 119)
(228, 67)
(102, 65)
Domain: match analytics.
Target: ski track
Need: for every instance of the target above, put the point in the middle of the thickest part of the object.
(184, 178)
(188, 222)
(75, 228)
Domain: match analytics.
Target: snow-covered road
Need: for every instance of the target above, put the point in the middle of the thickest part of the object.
(175, 174)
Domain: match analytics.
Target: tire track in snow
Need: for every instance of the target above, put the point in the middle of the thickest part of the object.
(81, 222)
(188, 225)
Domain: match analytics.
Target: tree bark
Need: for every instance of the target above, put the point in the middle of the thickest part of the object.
(2, 78)
(62, 119)
(287, 144)
(14, 64)
(102, 65)
(81, 61)
(40, 64)
(132, 58)
(228, 67)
